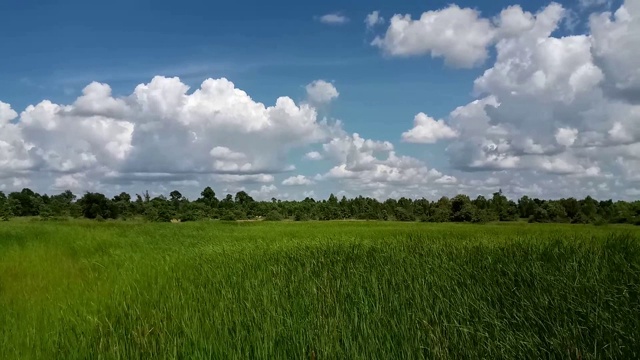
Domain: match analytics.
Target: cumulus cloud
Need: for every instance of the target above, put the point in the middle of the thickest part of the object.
(321, 92)
(553, 106)
(366, 166)
(334, 19)
(160, 132)
(313, 155)
(614, 39)
(299, 180)
(266, 192)
(6, 113)
(459, 35)
(427, 130)
(373, 19)
(585, 4)
(553, 116)
(246, 179)
(566, 136)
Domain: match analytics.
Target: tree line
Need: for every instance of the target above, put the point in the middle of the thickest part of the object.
(176, 207)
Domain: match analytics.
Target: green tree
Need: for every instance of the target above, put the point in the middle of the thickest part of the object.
(96, 204)
(274, 215)
(208, 197)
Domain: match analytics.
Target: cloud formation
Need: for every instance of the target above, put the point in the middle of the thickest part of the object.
(552, 106)
(299, 180)
(334, 19)
(553, 115)
(427, 130)
(320, 92)
(458, 35)
(373, 19)
(161, 131)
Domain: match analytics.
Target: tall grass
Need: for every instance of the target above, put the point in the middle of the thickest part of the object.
(354, 290)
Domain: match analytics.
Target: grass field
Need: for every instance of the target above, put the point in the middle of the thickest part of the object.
(339, 290)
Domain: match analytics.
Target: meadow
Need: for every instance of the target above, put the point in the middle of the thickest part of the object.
(318, 290)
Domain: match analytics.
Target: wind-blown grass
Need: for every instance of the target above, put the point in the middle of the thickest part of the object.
(352, 290)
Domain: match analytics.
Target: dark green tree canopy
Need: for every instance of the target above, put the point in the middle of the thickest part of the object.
(242, 206)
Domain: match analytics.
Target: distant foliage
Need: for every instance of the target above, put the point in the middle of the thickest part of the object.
(242, 206)
(274, 215)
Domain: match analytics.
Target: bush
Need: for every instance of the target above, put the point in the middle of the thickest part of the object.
(233, 215)
(600, 222)
(481, 217)
(301, 216)
(580, 218)
(5, 212)
(227, 216)
(403, 215)
(191, 215)
(274, 215)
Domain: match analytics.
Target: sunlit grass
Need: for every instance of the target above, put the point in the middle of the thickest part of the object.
(80, 290)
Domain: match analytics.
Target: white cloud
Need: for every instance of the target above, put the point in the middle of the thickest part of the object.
(366, 166)
(554, 116)
(427, 130)
(616, 49)
(313, 155)
(459, 35)
(224, 153)
(334, 19)
(320, 92)
(160, 132)
(299, 180)
(373, 19)
(266, 192)
(585, 4)
(513, 21)
(552, 106)
(566, 136)
(75, 182)
(257, 178)
(6, 113)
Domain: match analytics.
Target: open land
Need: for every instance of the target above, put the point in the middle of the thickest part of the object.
(291, 290)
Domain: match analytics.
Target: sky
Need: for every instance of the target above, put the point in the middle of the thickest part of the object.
(294, 99)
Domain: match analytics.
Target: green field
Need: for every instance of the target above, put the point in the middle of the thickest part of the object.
(338, 290)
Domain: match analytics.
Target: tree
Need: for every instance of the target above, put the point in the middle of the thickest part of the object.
(227, 202)
(274, 215)
(505, 209)
(555, 211)
(29, 202)
(123, 197)
(571, 207)
(441, 212)
(242, 198)
(96, 204)
(175, 196)
(402, 214)
(6, 213)
(462, 209)
(208, 197)
(526, 207)
(540, 215)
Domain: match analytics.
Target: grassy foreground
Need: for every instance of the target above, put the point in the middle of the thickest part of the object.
(340, 290)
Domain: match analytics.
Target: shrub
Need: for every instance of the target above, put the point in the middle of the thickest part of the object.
(233, 215)
(274, 215)
(301, 216)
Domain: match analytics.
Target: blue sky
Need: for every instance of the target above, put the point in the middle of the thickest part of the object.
(53, 49)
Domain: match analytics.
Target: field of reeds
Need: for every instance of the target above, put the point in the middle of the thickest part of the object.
(311, 290)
